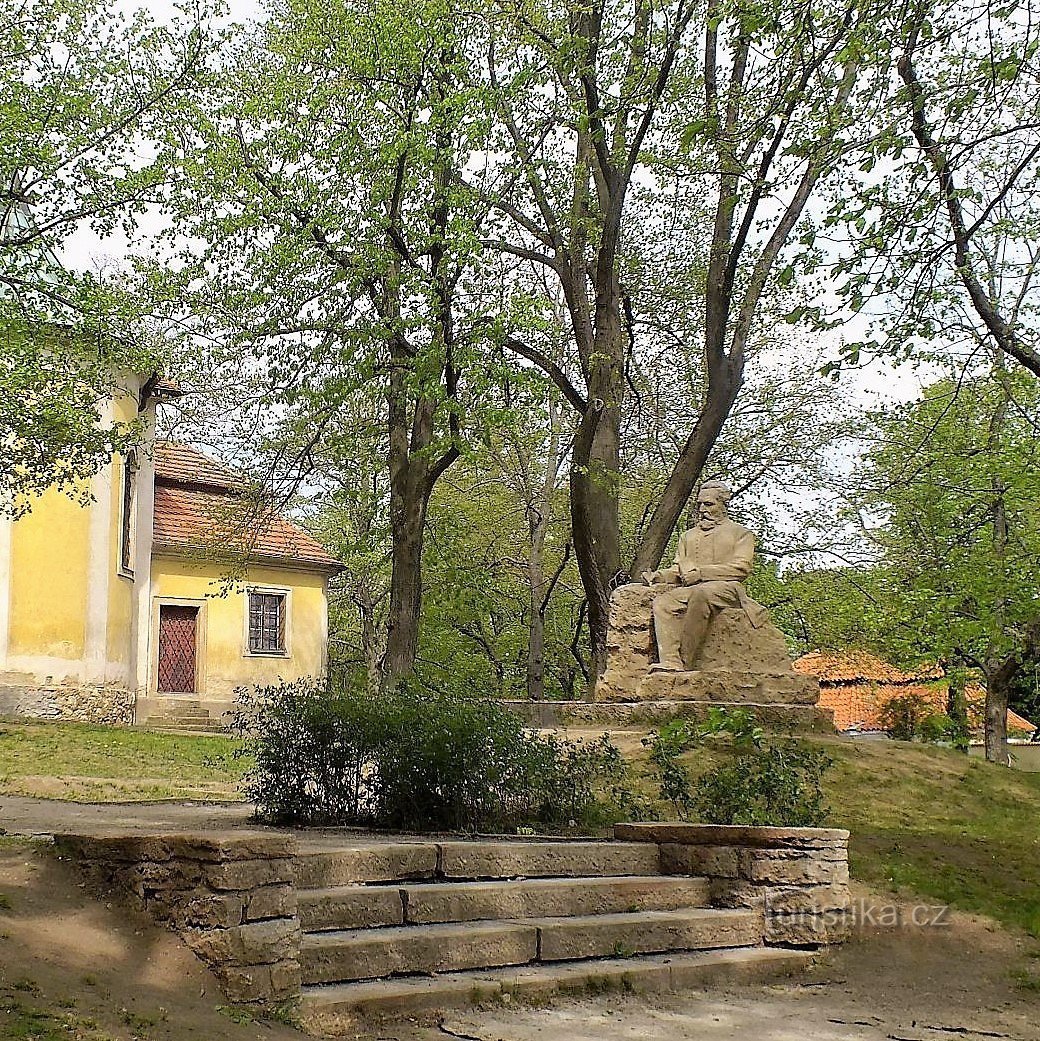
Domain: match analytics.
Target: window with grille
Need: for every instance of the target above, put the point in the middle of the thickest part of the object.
(266, 623)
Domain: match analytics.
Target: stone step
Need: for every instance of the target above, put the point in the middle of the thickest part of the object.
(319, 866)
(334, 957)
(341, 1008)
(353, 907)
(339, 956)
(191, 731)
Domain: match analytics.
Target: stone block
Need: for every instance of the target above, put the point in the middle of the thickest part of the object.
(261, 983)
(385, 862)
(780, 867)
(678, 859)
(808, 930)
(351, 907)
(733, 835)
(466, 860)
(231, 846)
(375, 953)
(277, 901)
(254, 943)
(653, 931)
(550, 897)
(208, 911)
(249, 874)
(809, 899)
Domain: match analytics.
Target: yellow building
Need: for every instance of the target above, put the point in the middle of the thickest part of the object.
(155, 601)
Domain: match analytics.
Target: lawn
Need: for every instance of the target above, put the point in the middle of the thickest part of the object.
(108, 764)
(933, 822)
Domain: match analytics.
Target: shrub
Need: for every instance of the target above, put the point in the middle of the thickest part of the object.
(419, 761)
(777, 785)
(901, 717)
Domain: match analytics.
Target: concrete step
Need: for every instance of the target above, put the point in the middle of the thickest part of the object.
(345, 955)
(341, 1008)
(353, 907)
(319, 866)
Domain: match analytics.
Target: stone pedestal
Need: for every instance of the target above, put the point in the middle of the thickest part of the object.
(739, 664)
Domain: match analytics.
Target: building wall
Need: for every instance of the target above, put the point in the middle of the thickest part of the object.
(224, 661)
(66, 615)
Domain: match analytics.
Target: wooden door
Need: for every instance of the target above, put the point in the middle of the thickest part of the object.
(177, 632)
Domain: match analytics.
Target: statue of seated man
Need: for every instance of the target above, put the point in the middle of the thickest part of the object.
(712, 561)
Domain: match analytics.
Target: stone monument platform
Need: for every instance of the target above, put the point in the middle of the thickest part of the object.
(740, 666)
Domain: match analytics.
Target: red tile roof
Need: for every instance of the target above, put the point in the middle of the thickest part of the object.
(857, 685)
(199, 507)
(178, 463)
(857, 666)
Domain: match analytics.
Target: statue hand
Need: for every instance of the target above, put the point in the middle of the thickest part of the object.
(692, 577)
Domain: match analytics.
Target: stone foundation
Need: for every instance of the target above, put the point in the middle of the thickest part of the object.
(799, 877)
(639, 715)
(69, 703)
(232, 899)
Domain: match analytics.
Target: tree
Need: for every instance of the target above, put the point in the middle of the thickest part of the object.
(80, 84)
(944, 211)
(955, 484)
(318, 166)
(594, 99)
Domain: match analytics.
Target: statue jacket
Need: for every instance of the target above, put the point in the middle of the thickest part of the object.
(725, 553)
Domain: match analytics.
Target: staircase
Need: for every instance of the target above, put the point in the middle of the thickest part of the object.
(179, 715)
(402, 928)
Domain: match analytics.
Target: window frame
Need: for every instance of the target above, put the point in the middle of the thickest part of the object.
(127, 515)
(285, 650)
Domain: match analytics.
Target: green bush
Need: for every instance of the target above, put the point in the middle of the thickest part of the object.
(419, 761)
(763, 784)
(776, 785)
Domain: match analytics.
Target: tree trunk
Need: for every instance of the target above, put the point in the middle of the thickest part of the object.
(407, 523)
(538, 524)
(998, 682)
(371, 639)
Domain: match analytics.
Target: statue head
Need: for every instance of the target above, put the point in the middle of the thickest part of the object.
(712, 500)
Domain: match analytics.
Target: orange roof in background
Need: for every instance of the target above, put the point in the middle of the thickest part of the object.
(857, 685)
(859, 707)
(198, 508)
(859, 667)
(184, 465)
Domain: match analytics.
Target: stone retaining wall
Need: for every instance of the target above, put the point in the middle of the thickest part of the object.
(72, 703)
(232, 899)
(799, 877)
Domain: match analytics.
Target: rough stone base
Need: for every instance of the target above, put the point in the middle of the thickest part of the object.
(798, 877)
(738, 664)
(69, 703)
(637, 715)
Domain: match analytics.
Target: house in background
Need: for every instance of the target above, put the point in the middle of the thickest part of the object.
(856, 686)
(159, 598)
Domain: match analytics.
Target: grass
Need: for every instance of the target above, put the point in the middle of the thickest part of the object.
(110, 764)
(933, 822)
